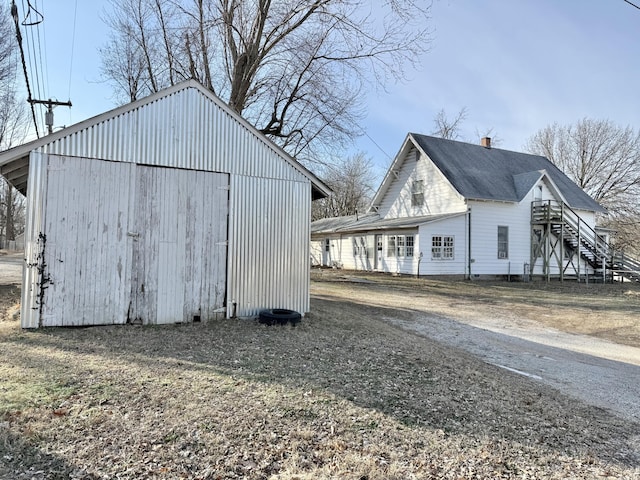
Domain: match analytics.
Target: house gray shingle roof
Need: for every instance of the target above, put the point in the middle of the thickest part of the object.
(482, 173)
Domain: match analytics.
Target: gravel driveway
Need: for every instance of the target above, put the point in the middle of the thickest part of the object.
(11, 267)
(599, 372)
(594, 370)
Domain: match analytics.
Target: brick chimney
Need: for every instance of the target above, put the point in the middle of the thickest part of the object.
(485, 142)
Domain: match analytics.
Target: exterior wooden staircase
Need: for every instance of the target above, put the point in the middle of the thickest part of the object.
(567, 236)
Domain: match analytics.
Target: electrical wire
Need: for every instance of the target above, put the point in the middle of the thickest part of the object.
(379, 147)
(14, 14)
(30, 42)
(632, 4)
(34, 24)
(42, 46)
(73, 44)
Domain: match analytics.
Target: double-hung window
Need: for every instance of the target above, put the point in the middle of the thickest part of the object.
(503, 242)
(417, 193)
(400, 246)
(442, 247)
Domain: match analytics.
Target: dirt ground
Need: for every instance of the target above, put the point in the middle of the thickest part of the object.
(345, 394)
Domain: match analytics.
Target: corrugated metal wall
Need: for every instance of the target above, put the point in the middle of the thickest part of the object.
(269, 234)
(86, 248)
(29, 307)
(269, 199)
(185, 129)
(120, 242)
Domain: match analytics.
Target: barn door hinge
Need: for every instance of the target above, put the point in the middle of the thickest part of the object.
(224, 187)
(225, 243)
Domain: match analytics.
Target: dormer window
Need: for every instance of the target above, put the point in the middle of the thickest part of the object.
(417, 193)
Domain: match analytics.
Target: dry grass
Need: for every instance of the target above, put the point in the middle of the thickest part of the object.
(609, 311)
(343, 395)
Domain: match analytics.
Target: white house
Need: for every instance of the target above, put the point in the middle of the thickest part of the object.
(453, 208)
(168, 209)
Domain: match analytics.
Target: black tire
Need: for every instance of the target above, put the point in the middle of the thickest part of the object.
(279, 316)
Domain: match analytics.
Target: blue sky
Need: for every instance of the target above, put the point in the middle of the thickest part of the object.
(515, 65)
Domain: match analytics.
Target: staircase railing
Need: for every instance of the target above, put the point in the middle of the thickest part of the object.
(578, 234)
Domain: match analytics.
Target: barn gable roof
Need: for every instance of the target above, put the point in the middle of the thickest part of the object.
(480, 173)
(83, 139)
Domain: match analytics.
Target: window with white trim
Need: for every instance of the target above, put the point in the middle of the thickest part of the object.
(409, 246)
(391, 246)
(417, 193)
(400, 246)
(442, 247)
(503, 242)
(359, 246)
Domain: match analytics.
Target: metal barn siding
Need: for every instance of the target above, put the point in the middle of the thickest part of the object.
(122, 242)
(29, 310)
(215, 215)
(84, 244)
(269, 231)
(184, 129)
(179, 245)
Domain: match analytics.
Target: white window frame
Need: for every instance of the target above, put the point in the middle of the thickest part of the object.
(417, 193)
(400, 246)
(503, 244)
(443, 247)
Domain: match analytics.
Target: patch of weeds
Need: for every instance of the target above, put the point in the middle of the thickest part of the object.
(171, 437)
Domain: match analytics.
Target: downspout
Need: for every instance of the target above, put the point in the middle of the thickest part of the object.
(468, 243)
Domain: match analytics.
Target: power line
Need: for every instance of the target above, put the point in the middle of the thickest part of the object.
(73, 43)
(379, 147)
(31, 21)
(14, 14)
(632, 4)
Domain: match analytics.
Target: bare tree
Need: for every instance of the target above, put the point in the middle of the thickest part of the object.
(351, 182)
(449, 128)
(14, 122)
(293, 68)
(604, 160)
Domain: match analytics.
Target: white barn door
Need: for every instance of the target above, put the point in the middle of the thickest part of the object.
(122, 243)
(84, 245)
(179, 234)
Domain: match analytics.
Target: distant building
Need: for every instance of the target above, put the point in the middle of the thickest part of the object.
(453, 208)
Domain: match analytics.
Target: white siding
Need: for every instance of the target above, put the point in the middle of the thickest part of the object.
(29, 307)
(193, 133)
(358, 251)
(185, 129)
(485, 219)
(316, 252)
(120, 242)
(269, 235)
(439, 195)
(452, 227)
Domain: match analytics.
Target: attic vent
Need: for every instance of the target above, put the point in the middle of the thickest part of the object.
(485, 142)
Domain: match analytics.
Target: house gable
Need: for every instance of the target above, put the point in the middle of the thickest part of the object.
(414, 186)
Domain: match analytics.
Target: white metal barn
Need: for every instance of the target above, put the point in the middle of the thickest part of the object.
(169, 209)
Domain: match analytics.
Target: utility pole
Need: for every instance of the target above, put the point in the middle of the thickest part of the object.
(48, 119)
(49, 103)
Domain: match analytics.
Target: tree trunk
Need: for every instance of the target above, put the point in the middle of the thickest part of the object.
(10, 227)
